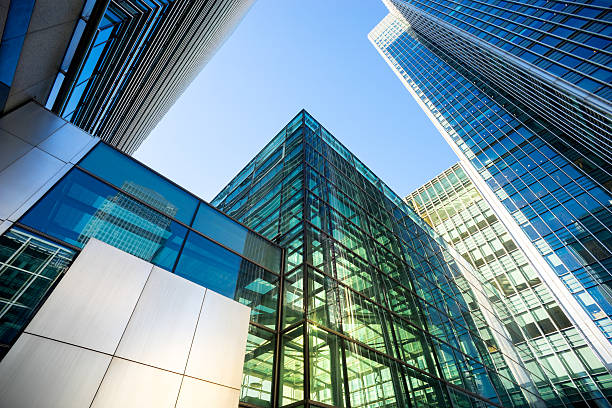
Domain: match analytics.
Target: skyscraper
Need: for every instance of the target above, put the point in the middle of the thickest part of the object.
(375, 308)
(521, 92)
(111, 67)
(545, 338)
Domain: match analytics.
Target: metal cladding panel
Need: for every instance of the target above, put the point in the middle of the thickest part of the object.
(24, 177)
(164, 322)
(217, 353)
(12, 149)
(197, 394)
(129, 384)
(43, 373)
(35, 149)
(66, 142)
(93, 302)
(32, 123)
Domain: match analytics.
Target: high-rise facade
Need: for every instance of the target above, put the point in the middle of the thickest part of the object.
(521, 92)
(547, 341)
(375, 308)
(111, 67)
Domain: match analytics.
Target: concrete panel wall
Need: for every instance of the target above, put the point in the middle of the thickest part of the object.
(36, 149)
(120, 332)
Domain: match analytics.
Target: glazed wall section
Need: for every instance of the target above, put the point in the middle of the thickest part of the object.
(557, 193)
(376, 309)
(544, 333)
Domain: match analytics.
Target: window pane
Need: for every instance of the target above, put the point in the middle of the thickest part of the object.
(228, 232)
(210, 265)
(129, 175)
(214, 267)
(80, 207)
(29, 265)
(258, 368)
(291, 376)
(326, 367)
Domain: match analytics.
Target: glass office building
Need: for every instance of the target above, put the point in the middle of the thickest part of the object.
(113, 198)
(531, 120)
(545, 338)
(376, 309)
(111, 67)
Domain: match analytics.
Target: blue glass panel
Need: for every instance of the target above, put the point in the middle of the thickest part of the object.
(18, 18)
(219, 270)
(132, 177)
(228, 232)
(210, 265)
(80, 207)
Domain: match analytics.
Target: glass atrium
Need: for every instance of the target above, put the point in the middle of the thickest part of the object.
(376, 309)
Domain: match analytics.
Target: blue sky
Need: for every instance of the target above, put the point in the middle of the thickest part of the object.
(286, 55)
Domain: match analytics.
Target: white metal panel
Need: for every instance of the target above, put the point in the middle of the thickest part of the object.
(27, 204)
(32, 123)
(164, 322)
(4, 225)
(42, 373)
(11, 149)
(199, 394)
(75, 159)
(217, 353)
(66, 142)
(93, 302)
(24, 177)
(133, 385)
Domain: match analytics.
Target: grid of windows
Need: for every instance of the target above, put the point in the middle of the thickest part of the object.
(537, 325)
(561, 206)
(29, 266)
(568, 39)
(581, 118)
(377, 310)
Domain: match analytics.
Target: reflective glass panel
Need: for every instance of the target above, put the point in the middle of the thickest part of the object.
(80, 207)
(223, 229)
(258, 367)
(132, 177)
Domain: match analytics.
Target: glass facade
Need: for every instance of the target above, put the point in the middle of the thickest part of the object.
(29, 266)
(558, 192)
(570, 40)
(542, 333)
(550, 58)
(111, 197)
(376, 310)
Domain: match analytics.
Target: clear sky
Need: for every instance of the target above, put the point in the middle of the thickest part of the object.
(286, 55)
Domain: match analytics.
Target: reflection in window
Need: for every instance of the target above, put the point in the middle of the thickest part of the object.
(80, 207)
(223, 229)
(123, 172)
(258, 367)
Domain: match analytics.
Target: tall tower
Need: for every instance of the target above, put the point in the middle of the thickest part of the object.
(537, 323)
(521, 92)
